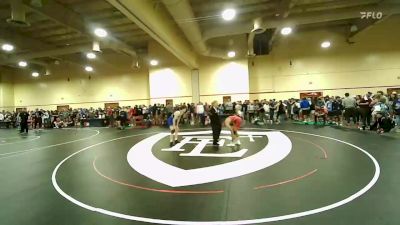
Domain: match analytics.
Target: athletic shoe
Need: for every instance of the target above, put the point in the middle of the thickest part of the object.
(171, 144)
(176, 142)
(215, 144)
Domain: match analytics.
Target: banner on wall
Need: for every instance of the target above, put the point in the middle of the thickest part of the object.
(313, 94)
(169, 102)
(391, 90)
(111, 105)
(62, 108)
(226, 99)
(18, 110)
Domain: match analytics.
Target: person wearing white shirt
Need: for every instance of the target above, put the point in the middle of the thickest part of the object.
(266, 116)
(200, 113)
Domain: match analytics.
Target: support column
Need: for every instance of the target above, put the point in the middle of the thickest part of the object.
(195, 86)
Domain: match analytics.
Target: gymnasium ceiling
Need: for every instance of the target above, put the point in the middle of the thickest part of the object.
(61, 31)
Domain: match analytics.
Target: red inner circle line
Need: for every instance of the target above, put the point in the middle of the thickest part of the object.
(212, 191)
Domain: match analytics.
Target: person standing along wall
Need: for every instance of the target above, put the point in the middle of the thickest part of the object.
(365, 110)
(24, 121)
(396, 109)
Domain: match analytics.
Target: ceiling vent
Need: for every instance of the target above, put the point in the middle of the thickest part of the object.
(258, 29)
(17, 14)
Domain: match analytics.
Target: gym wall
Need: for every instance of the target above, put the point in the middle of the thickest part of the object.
(49, 91)
(220, 78)
(170, 83)
(6, 90)
(298, 63)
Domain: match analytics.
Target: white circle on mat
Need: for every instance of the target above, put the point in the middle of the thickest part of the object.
(371, 183)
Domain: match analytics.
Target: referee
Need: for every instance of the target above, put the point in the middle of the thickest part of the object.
(215, 122)
(24, 121)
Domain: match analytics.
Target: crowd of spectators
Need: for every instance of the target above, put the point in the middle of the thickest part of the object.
(377, 112)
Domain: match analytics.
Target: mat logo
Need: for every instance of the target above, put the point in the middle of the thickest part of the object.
(141, 158)
(203, 141)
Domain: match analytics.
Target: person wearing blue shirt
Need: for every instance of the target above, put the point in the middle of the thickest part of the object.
(305, 109)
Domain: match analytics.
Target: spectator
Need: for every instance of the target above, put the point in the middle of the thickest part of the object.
(305, 109)
(365, 110)
(349, 105)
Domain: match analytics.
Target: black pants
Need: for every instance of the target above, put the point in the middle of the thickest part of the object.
(271, 115)
(38, 121)
(251, 116)
(216, 130)
(24, 127)
(365, 116)
(350, 112)
(316, 118)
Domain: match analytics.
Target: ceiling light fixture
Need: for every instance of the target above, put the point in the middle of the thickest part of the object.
(231, 54)
(22, 64)
(88, 68)
(228, 14)
(91, 55)
(35, 74)
(286, 31)
(7, 47)
(326, 44)
(100, 32)
(153, 62)
(96, 46)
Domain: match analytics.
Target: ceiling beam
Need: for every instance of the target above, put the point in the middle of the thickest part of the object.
(182, 11)
(337, 4)
(69, 18)
(363, 25)
(22, 40)
(282, 13)
(302, 19)
(282, 10)
(157, 23)
(30, 47)
(46, 53)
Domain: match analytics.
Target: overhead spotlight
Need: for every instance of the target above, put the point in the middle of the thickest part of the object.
(35, 74)
(91, 55)
(228, 14)
(326, 44)
(7, 47)
(22, 64)
(88, 68)
(100, 32)
(231, 54)
(153, 62)
(286, 30)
